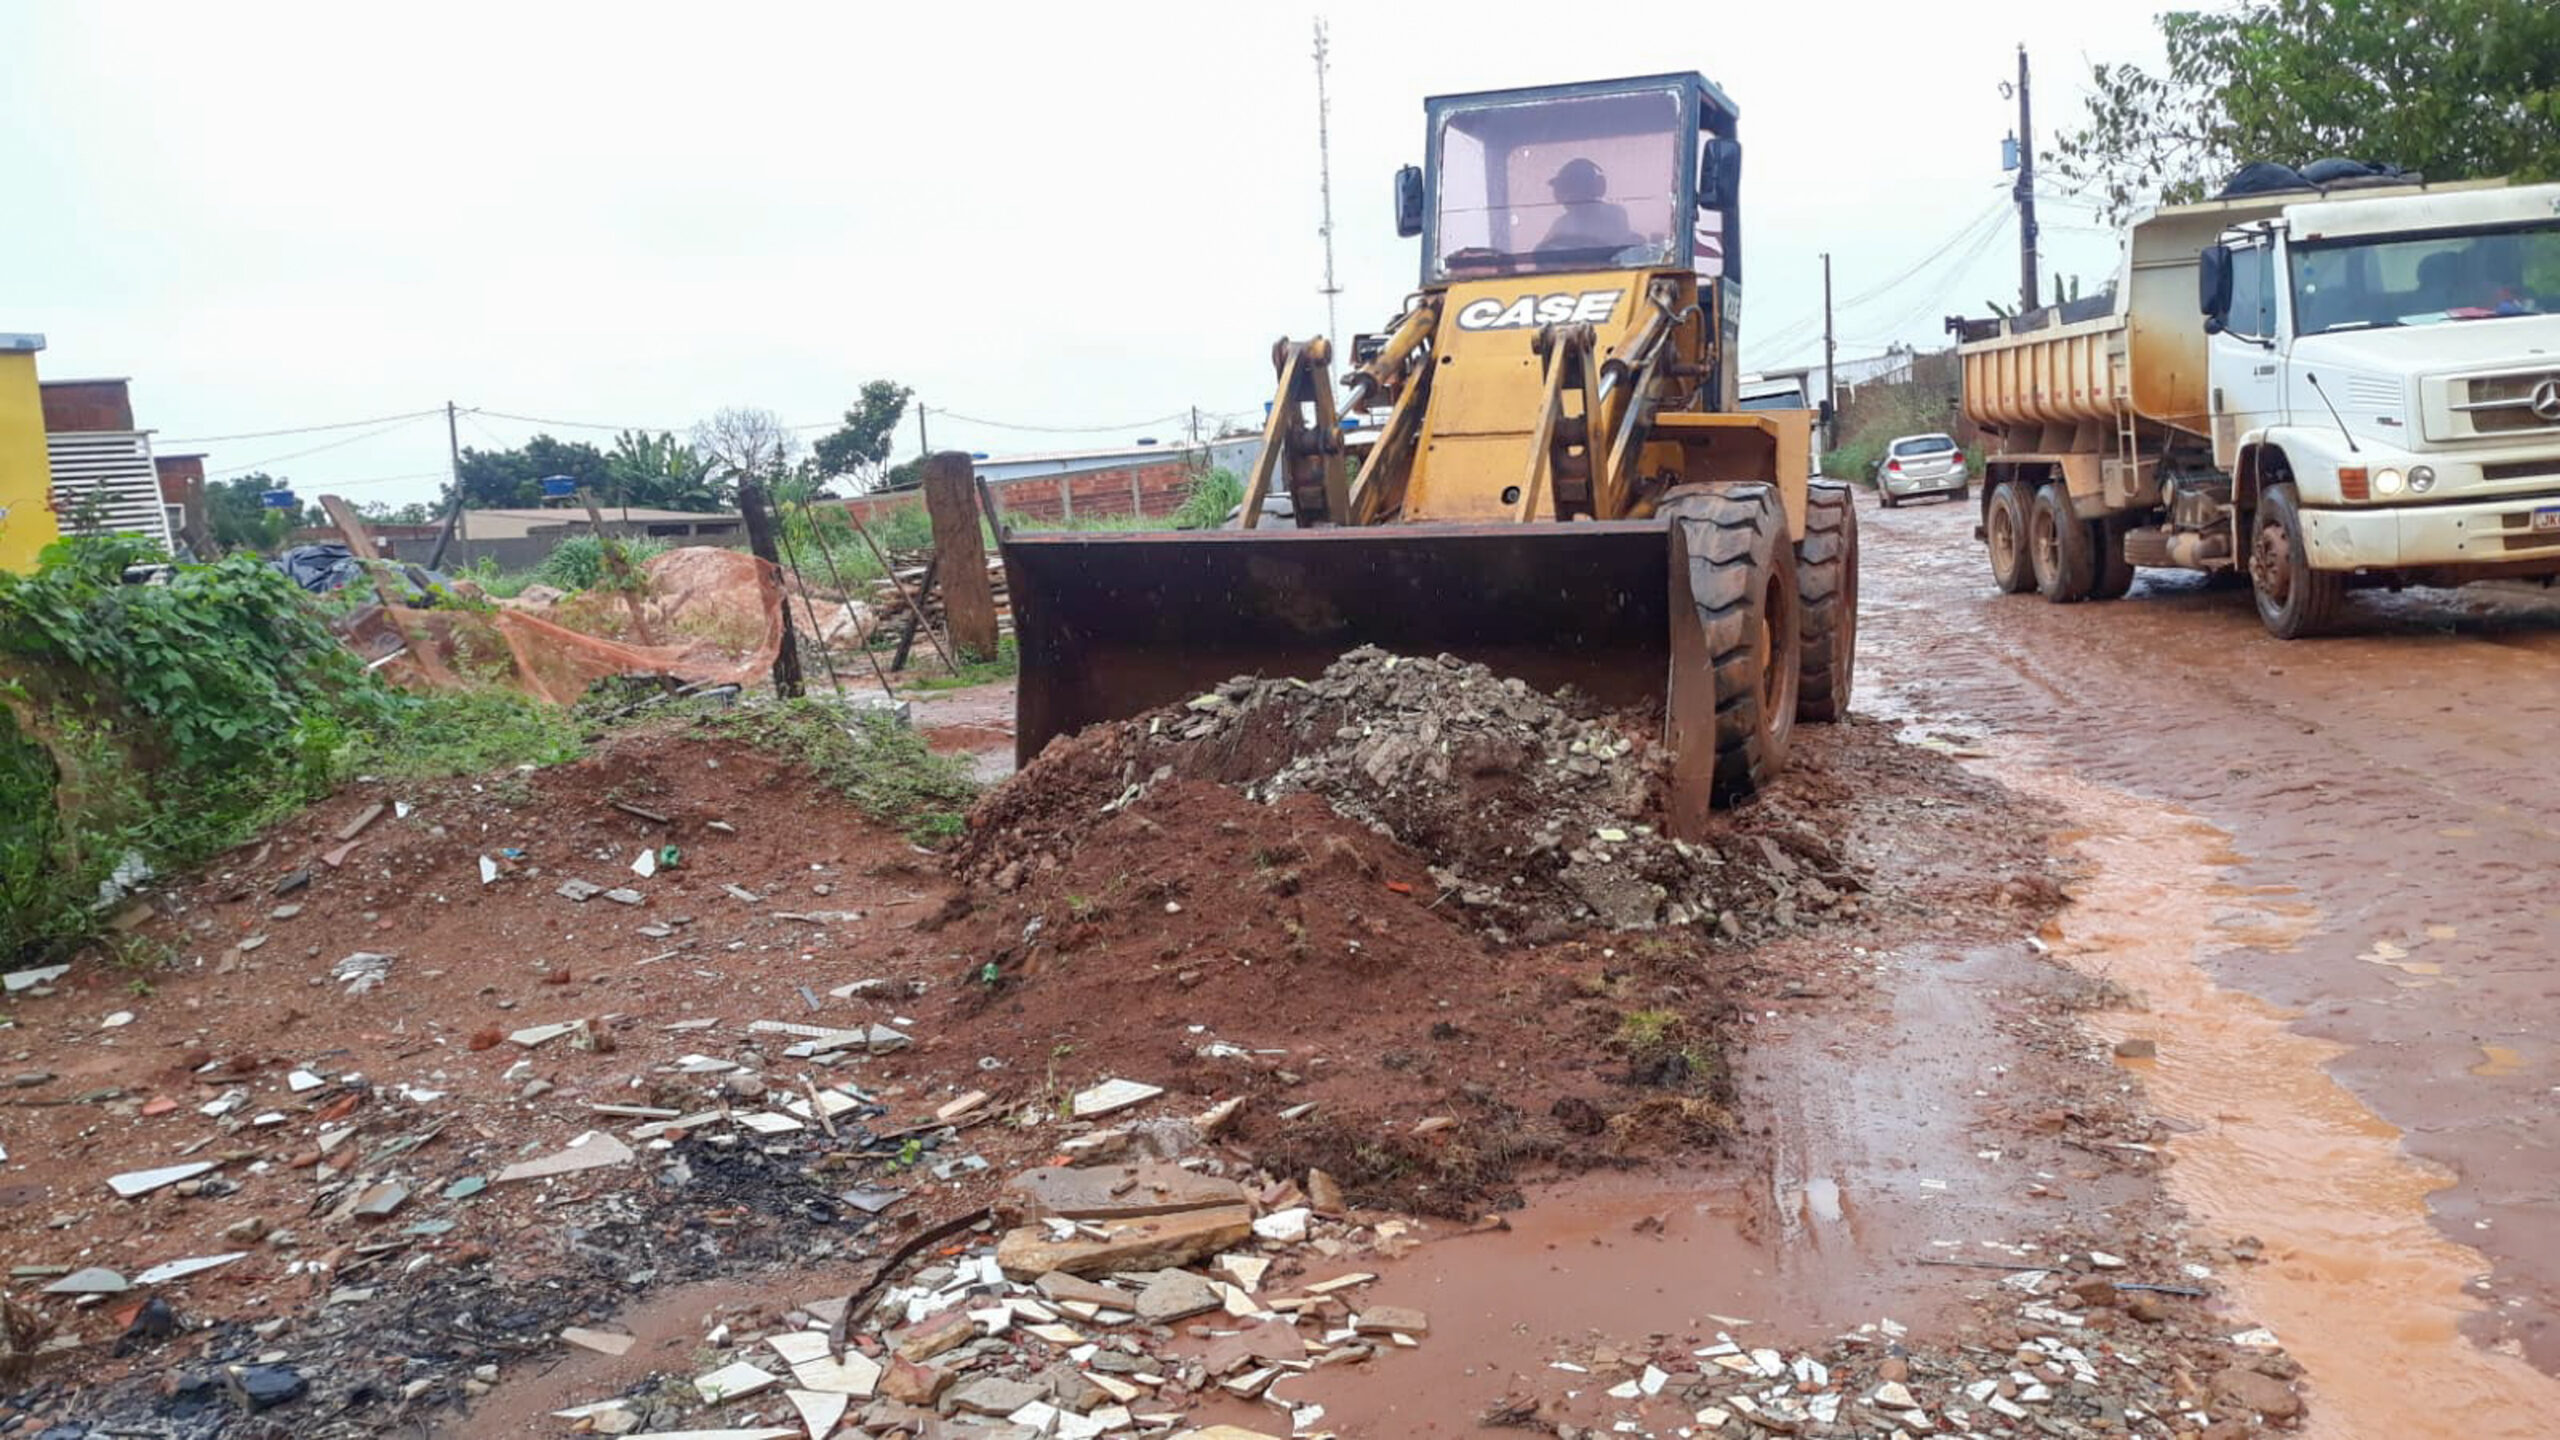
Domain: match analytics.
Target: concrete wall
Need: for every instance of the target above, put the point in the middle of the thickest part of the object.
(26, 476)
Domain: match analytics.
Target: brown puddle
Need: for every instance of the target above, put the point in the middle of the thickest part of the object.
(2357, 1282)
(1596, 1261)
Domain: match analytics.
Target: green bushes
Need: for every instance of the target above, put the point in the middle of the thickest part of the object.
(159, 722)
(579, 564)
(144, 728)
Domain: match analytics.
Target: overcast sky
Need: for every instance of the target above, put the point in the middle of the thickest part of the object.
(1093, 216)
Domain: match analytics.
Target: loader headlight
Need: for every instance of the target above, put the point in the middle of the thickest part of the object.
(2421, 479)
(2388, 482)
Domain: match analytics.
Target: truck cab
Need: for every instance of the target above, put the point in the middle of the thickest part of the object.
(2315, 389)
(2398, 357)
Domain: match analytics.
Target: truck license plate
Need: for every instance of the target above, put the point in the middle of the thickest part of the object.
(2547, 518)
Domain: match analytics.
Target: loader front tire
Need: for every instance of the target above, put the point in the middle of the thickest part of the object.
(1735, 639)
(1827, 598)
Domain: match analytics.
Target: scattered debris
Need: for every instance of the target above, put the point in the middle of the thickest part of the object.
(590, 1151)
(143, 1182)
(361, 971)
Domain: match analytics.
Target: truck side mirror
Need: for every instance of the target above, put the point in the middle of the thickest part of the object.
(2213, 287)
(1822, 413)
(1409, 201)
(1719, 174)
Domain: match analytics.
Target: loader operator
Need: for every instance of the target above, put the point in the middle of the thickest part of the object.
(1589, 221)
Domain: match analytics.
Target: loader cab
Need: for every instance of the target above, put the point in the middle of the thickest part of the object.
(1561, 179)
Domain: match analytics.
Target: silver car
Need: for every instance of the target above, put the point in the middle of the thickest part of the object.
(1916, 465)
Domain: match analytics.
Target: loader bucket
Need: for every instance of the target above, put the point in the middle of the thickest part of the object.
(1111, 625)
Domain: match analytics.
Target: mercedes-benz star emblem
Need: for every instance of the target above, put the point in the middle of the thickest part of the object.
(2546, 400)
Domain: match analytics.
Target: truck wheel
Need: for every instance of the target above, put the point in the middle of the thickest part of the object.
(2115, 573)
(2004, 531)
(2294, 600)
(2065, 563)
(1734, 642)
(1827, 595)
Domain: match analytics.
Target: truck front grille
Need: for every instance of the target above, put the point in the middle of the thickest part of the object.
(2504, 404)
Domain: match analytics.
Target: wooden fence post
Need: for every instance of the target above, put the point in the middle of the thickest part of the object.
(751, 508)
(968, 601)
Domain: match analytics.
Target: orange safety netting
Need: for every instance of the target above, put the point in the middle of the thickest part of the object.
(702, 615)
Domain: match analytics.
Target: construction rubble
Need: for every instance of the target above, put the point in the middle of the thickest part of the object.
(642, 1096)
(1539, 816)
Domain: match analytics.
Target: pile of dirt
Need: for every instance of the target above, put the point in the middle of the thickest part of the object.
(1536, 814)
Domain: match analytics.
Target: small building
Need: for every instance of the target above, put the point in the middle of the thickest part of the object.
(103, 478)
(182, 497)
(519, 539)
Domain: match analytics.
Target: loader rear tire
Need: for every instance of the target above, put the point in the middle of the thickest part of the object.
(1827, 598)
(1735, 641)
(2004, 535)
(2066, 563)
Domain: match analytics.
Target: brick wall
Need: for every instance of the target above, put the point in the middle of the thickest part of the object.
(177, 472)
(1155, 488)
(76, 406)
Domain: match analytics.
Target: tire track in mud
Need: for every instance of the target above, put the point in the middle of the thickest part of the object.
(2380, 782)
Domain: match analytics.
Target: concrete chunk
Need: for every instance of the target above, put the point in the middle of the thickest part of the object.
(1149, 1243)
(1118, 1192)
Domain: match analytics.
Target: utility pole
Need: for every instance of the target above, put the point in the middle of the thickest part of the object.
(924, 442)
(1830, 386)
(1324, 181)
(453, 519)
(2026, 193)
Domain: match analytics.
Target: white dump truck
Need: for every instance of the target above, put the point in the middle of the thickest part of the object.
(2314, 390)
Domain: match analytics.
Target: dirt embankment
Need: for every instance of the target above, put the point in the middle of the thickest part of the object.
(1420, 924)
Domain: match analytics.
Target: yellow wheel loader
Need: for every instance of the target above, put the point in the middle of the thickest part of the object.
(1558, 480)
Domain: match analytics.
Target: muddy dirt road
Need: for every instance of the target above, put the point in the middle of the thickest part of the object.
(2385, 882)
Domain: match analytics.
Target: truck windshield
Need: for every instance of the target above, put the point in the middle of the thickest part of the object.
(2427, 279)
(1585, 183)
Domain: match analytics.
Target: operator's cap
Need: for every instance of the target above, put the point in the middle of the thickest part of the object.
(1580, 175)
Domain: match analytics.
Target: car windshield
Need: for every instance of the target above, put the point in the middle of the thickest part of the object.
(1584, 183)
(1923, 445)
(2426, 279)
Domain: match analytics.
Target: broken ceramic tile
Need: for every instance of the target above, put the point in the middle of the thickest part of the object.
(1112, 1095)
(143, 1182)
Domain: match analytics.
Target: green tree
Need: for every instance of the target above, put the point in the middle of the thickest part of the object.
(499, 479)
(857, 450)
(660, 470)
(2449, 88)
(237, 517)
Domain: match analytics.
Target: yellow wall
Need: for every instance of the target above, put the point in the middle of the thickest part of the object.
(26, 477)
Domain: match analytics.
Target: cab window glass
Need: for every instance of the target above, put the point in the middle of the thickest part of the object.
(2253, 291)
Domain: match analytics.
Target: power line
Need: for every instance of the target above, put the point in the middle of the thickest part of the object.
(1061, 429)
(302, 429)
(332, 445)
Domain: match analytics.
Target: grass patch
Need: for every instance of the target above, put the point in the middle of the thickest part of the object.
(881, 766)
(433, 736)
(1646, 1033)
(1006, 664)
